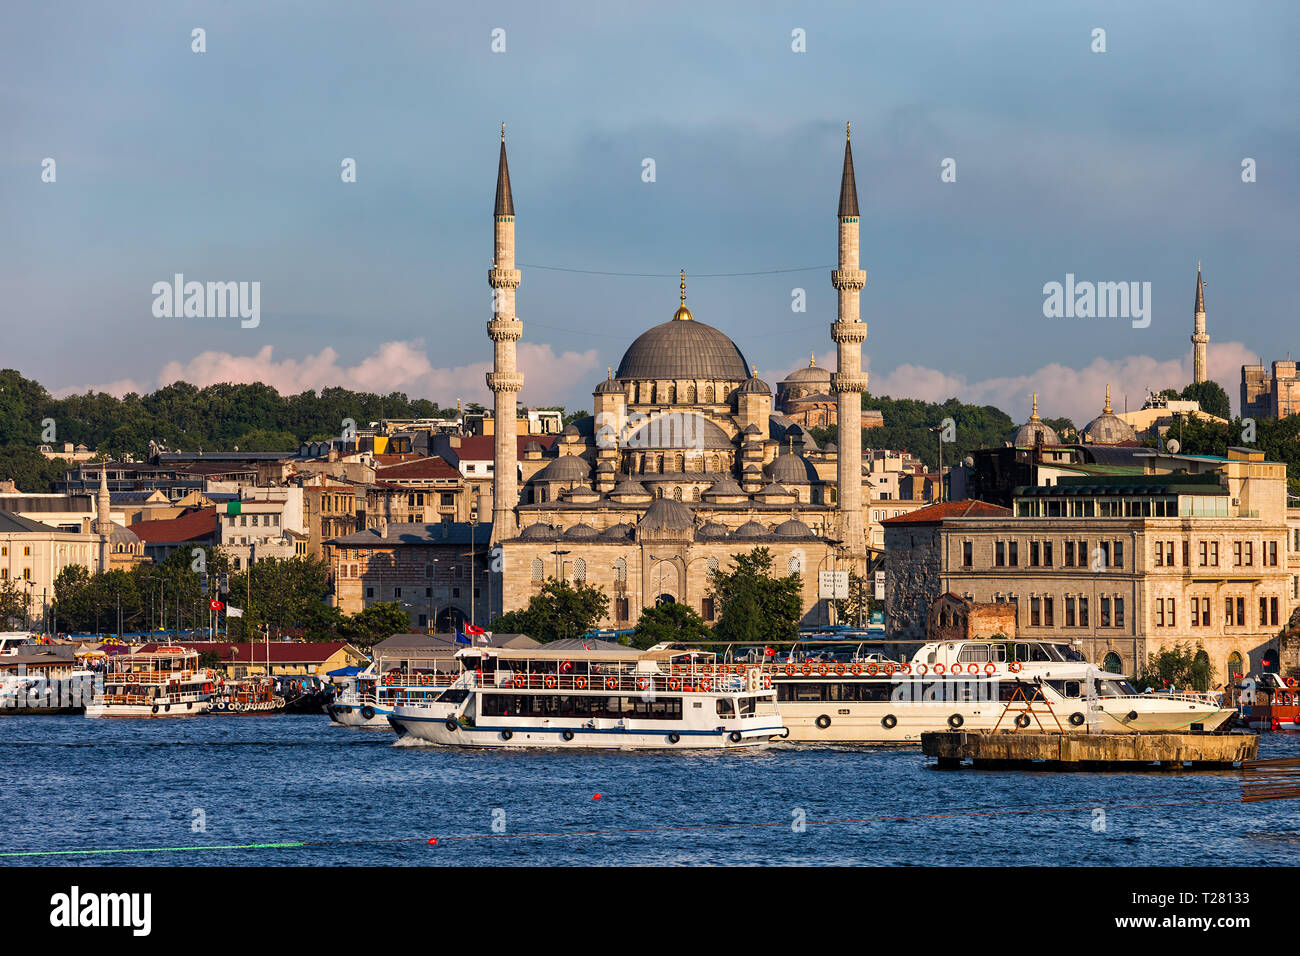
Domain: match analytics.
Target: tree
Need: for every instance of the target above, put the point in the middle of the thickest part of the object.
(753, 604)
(559, 610)
(376, 623)
(670, 621)
(1212, 397)
(1179, 666)
(857, 606)
(15, 601)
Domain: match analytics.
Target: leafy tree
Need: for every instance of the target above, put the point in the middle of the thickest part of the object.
(1213, 399)
(1064, 427)
(375, 623)
(909, 423)
(15, 601)
(559, 610)
(29, 470)
(671, 621)
(1180, 666)
(753, 604)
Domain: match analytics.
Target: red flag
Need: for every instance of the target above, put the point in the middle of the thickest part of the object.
(471, 629)
(216, 605)
(769, 652)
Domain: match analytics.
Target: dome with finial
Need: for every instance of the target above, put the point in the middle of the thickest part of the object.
(682, 348)
(755, 385)
(609, 385)
(1108, 428)
(1034, 430)
(813, 375)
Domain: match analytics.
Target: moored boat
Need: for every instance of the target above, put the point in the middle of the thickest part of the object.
(609, 697)
(165, 683)
(367, 699)
(252, 696)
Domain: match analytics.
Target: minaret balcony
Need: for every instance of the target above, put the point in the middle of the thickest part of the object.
(852, 279)
(849, 381)
(848, 333)
(504, 278)
(505, 330)
(505, 381)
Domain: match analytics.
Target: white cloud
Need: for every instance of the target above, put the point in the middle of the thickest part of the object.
(1076, 393)
(394, 366)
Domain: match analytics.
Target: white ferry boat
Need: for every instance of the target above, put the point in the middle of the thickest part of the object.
(607, 697)
(165, 683)
(878, 692)
(368, 698)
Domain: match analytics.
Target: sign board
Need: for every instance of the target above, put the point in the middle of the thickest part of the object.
(833, 585)
(880, 586)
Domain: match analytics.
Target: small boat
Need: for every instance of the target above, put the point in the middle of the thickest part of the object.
(608, 698)
(1270, 702)
(44, 694)
(254, 696)
(368, 698)
(165, 683)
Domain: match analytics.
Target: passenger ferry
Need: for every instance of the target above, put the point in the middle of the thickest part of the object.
(892, 692)
(368, 699)
(608, 697)
(254, 696)
(165, 683)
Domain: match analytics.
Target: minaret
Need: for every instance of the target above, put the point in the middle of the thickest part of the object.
(505, 380)
(849, 381)
(1200, 338)
(103, 519)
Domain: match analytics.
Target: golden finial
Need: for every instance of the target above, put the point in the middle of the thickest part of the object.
(610, 370)
(1107, 410)
(754, 369)
(683, 287)
(846, 132)
(1034, 415)
(683, 313)
(503, 132)
(812, 359)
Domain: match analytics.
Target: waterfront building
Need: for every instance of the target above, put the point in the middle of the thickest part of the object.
(1194, 549)
(286, 658)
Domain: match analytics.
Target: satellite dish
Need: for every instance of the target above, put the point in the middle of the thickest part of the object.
(1173, 446)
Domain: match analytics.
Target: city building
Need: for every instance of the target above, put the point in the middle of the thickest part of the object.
(1270, 394)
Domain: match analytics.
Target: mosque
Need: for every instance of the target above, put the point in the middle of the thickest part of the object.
(686, 459)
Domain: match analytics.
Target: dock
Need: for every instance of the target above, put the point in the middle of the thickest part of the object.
(1020, 750)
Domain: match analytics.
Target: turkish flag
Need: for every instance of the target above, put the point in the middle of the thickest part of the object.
(216, 605)
(769, 652)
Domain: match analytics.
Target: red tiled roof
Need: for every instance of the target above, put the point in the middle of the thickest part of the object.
(481, 447)
(933, 514)
(421, 468)
(397, 459)
(189, 525)
(282, 652)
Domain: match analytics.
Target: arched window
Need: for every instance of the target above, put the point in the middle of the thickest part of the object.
(690, 395)
(708, 395)
(677, 493)
(678, 463)
(796, 565)
(668, 394)
(712, 566)
(1112, 663)
(537, 569)
(620, 569)
(580, 571)
(715, 464)
(1234, 666)
(659, 492)
(695, 493)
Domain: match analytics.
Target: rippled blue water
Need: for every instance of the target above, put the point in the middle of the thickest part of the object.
(73, 783)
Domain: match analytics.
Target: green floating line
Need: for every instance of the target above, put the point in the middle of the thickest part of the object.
(156, 849)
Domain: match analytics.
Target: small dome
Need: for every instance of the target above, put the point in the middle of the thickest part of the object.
(711, 529)
(830, 448)
(565, 468)
(773, 490)
(750, 529)
(571, 431)
(724, 487)
(667, 515)
(812, 375)
(628, 488)
(609, 385)
(618, 532)
(791, 468)
(582, 531)
(794, 528)
(1034, 430)
(752, 429)
(1108, 428)
(581, 491)
(538, 532)
(755, 386)
(532, 448)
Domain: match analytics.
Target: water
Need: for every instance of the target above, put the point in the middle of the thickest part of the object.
(73, 783)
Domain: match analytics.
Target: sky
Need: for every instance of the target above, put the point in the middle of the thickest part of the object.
(225, 165)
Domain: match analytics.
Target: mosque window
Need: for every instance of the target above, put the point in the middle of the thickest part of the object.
(659, 492)
(695, 494)
(677, 494)
(537, 569)
(678, 466)
(715, 463)
(620, 569)
(708, 394)
(712, 565)
(795, 566)
(690, 395)
(580, 571)
(668, 394)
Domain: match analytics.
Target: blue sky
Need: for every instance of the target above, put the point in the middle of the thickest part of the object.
(1115, 166)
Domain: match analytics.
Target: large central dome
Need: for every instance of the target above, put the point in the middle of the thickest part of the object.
(683, 349)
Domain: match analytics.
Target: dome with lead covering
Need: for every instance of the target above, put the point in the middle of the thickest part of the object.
(683, 348)
(582, 531)
(794, 528)
(539, 532)
(667, 515)
(791, 468)
(565, 468)
(1108, 428)
(750, 529)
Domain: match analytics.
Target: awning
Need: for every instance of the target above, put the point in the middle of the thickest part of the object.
(345, 672)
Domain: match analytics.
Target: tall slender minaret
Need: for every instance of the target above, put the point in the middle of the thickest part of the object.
(849, 381)
(505, 380)
(104, 519)
(1200, 338)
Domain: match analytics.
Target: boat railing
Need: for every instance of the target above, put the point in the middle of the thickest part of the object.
(1188, 696)
(709, 679)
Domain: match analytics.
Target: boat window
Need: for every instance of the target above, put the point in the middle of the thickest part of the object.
(747, 706)
(726, 708)
(453, 696)
(1072, 653)
(974, 653)
(998, 652)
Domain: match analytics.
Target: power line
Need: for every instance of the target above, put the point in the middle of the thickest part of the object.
(671, 275)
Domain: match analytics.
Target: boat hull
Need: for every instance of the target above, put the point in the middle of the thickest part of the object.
(186, 709)
(348, 715)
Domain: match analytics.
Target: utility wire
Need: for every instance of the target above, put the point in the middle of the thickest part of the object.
(672, 275)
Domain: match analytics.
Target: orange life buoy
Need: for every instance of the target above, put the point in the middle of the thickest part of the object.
(889, 670)
(1290, 682)
(674, 683)
(922, 669)
(789, 670)
(873, 669)
(611, 683)
(705, 683)
(856, 668)
(972, 668)
(938, 668)
(550, 680)
(767, 682)
(839, 668)
(580, 683)
(823, 669)
(642, 683)
(806, 669)
(906, 668)
(1015, 667)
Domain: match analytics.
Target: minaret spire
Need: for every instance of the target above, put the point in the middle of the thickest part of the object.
(104, 518)
(505, 381)
(849, 381)
(1200, 338)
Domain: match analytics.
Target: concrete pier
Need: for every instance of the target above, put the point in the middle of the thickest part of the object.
(1043, 751)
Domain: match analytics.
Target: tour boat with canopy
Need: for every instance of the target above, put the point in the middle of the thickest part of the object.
(165, 683)
(852, 691)
(368, 698)
(609, 696)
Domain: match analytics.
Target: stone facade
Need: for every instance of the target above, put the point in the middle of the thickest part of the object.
(1266, 394)
(955, 618)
